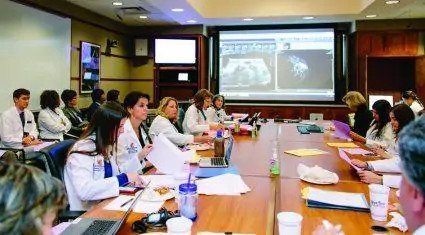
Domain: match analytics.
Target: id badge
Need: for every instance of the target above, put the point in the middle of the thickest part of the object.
(98, 169)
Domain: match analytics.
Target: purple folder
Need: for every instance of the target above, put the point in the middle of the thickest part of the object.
(342, 130)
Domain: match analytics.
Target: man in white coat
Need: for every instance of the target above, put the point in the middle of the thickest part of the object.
(17, 125)
(412, 189)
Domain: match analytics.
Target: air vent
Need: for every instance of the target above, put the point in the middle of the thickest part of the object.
(133, 11)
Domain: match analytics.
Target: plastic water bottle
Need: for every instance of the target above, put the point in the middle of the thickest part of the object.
(274, 163)
(188, 200)
(219, 144)
(254, 131)
(237, 126)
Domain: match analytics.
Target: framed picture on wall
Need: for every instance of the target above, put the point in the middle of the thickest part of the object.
(89, 66)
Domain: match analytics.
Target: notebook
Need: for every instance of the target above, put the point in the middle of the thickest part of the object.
(219, 162)
(88, 226)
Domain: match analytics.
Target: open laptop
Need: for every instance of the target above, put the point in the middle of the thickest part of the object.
(218, 162)
(92, 226)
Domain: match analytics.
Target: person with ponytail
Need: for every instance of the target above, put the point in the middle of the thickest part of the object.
(410, 98)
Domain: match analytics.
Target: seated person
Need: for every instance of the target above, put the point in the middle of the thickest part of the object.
(51, 120)
(74, 115)
(195, 121)
(380, 131)
(401, 115)
(17, 124)
(165, 123)
(98, 98)
(29, 199)
(134, 143)
(216, 112)
(362, 116)
(91, 171)
(410, 98)
(113, 96)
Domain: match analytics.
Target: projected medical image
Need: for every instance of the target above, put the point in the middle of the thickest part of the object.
(90, 67)
(245, 74)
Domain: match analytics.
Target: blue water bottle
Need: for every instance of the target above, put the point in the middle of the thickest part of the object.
(188, 200)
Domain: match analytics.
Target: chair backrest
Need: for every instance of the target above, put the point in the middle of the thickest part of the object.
(57, 153)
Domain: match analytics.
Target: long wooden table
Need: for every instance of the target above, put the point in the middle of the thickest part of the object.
(255, 212)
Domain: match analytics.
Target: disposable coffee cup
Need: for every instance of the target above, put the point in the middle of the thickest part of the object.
(289, 223)
(379, 201)
(179, 226)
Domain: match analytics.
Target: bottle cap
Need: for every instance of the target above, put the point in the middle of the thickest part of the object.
(219, 134)
(188, 188)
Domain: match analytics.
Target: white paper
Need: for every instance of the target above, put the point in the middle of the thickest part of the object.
(2, 152)
(58, 229)
(226, 184)
(166, 157)
(159, 180)
(140, 207)
(41, 145)
(147, 207)
(337, 198)
(115, 205)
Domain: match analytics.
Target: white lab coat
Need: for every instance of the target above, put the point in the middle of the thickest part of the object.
(162, 125)
(214, 115)
(386, 139)
(53, 125)
(11, 132)
(388, 165)
(84, 177)
(129, 148)
(194, 122)
(392, 181)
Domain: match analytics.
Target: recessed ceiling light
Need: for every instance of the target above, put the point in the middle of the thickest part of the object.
(248, 19)
(143, 17)
(177, 10)
(191, 21)
(390, 2)
(117, 3)
(370, 16)
(308, 17)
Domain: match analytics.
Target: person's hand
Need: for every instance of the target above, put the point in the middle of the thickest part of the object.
(369, 177)
(145, 151)
(217, 126)
(359, 163)
(27, 140)
(379, 151)
(135, 180)
(326, 228)
(202, 139)
(36, 141)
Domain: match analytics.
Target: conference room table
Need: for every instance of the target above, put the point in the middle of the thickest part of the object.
(255, 212)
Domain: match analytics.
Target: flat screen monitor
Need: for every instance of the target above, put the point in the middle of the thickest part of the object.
(175, 51)
(374, 98)
(183, 77)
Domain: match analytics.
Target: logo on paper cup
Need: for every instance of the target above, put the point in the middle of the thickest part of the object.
(378, 204)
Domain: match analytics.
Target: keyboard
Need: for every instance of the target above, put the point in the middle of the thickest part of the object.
(99, 227)
(218, 161)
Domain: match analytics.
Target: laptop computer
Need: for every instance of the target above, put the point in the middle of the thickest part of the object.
(218, 162)
(95, 226)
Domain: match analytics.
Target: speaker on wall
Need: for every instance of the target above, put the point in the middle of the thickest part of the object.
(141, 47)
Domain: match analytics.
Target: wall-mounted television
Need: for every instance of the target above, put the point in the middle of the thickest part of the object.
(175, 51)
(90, 66)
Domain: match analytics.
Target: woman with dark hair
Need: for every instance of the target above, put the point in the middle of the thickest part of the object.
(165, 123)
(195, 120)
(380, 132)
(51, 120)
(400, 115)
(29, 200)
(412, 100)
(74, 115)
(134, 144)
(91, 171)
(216, 112)
(113, 95)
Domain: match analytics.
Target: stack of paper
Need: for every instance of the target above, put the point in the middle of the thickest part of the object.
(342, 130)
(344, 157)
(226, 184)
(305, 152)
(357, 151)
(159, 180)
(120, 204)
(318, 198)
(343, 145)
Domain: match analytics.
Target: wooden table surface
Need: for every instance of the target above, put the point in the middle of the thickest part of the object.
(255, 211)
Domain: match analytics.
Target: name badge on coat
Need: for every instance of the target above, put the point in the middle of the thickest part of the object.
(131, 149)
(98, 168)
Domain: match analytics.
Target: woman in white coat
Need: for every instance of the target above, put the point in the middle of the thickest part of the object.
(165, 123)
(410, 98)
(51, 120)
(195, 120)
(216, 112)
(134, 144)
(91, 171)
(400, 115)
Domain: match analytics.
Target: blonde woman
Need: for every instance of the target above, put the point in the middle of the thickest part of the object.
(29, 199)
(164, 123)
(363, 116)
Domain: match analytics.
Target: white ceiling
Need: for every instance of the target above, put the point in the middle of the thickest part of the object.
(232, 12)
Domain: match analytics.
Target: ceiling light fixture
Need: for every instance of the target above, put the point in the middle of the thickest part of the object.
(177, 10)
(390, 2)
(308, 17)
(370, 16)
(248, 19)
(143, 17)
(191, 21)
(117, 3)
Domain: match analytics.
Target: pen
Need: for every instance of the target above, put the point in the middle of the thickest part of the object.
(126, 202)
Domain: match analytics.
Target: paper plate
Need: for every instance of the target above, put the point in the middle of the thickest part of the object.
(199, 147)
(315, 181)
(151, 195)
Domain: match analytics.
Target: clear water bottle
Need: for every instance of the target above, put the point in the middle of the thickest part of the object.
(219, 144)
(254, 131)
(188, 200)
(237, 126)
(274, 163)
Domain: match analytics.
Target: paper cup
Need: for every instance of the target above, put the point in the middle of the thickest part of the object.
(379, 201)
(179, 226)
(289, 223)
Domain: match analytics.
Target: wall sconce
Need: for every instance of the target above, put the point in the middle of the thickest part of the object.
(109, 44)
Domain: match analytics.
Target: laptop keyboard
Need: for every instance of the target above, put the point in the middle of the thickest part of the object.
(218, 161)
(99, 227)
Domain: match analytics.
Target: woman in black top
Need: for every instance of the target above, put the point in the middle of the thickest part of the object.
(69, 98)
(363, 116)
